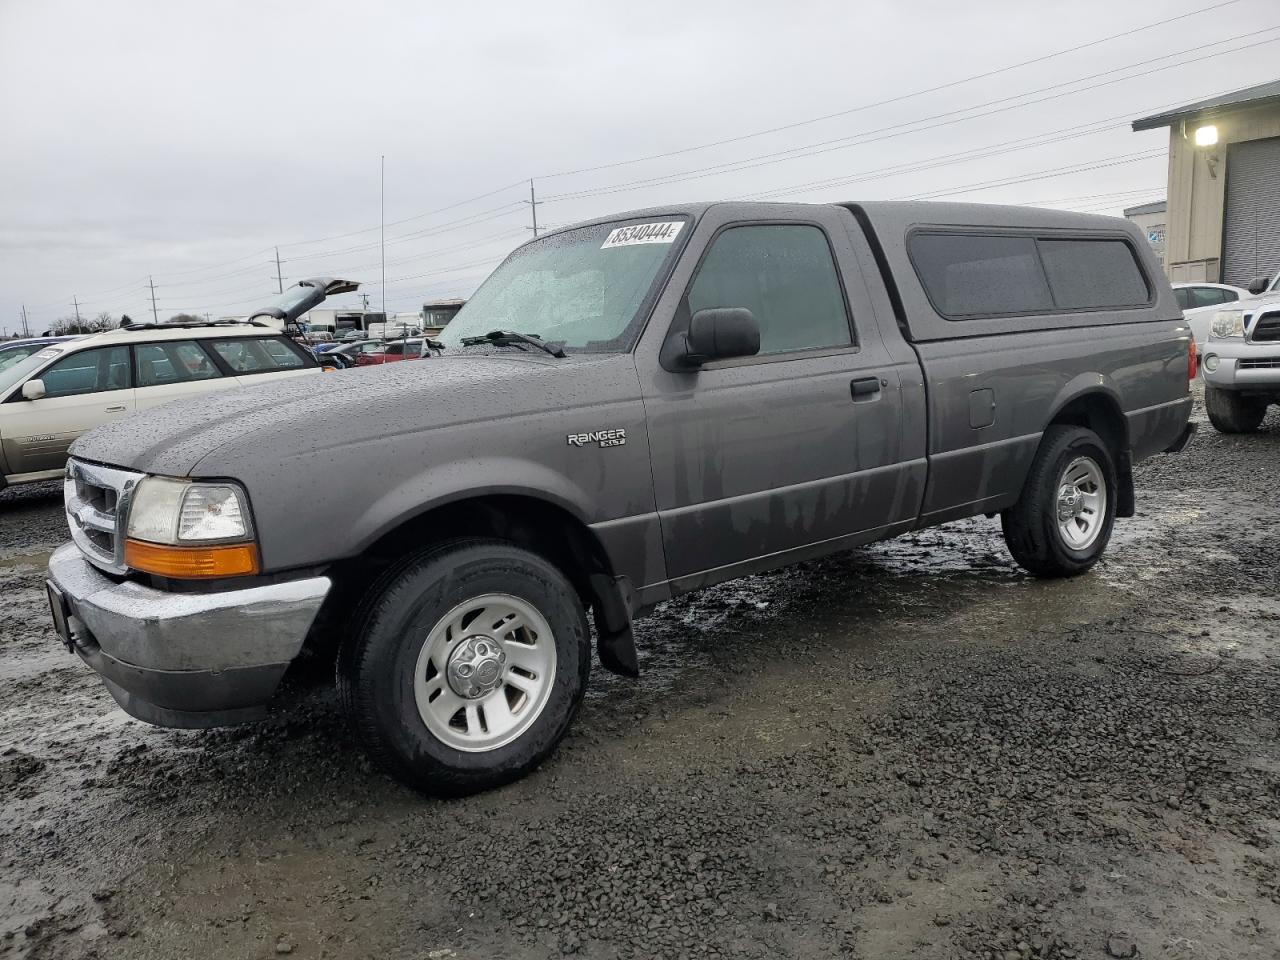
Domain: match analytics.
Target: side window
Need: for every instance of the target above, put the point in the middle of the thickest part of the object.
(785, 276)
(1183, 296)
(394, 349)
(89, 371)
(252, 355)
(179, 361)
(970, 275)
(1212, 296)
(1093, 274)
(285, 358)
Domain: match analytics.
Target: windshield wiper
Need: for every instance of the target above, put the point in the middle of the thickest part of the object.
(504, 338)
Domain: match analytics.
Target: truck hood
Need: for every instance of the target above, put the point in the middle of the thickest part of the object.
(1251, 304)
(284, 418)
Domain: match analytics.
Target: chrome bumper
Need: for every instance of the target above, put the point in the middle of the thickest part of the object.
(185, 659)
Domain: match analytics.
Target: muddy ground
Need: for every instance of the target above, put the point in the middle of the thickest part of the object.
(909, 750)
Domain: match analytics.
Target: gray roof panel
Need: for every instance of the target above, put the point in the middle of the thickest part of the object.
(1247, 98)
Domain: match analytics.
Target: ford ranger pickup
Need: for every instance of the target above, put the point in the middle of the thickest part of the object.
(626, 410)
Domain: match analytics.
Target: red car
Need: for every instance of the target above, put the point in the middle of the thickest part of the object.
(391, 352)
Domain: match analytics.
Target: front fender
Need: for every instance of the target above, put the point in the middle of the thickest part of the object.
(445, 483)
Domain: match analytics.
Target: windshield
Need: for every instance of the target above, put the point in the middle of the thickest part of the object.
(11, 355)
(581, 289)
(24, 368)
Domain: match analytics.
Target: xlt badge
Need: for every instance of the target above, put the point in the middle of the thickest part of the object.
(616, 437)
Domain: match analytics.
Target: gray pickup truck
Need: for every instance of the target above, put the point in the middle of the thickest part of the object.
(626, 410)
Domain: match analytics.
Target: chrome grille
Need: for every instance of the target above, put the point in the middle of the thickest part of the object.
(97, 501)
(1259, 363)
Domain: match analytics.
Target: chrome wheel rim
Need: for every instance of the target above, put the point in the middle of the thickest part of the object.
(1082, 503)
(485, 672)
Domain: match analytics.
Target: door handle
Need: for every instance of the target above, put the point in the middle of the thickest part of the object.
(864, 388)
(116, 409)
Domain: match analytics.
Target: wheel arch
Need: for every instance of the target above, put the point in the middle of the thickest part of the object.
(1093, 402)
(540, 523)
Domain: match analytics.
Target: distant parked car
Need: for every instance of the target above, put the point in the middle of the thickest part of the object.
(15, 350)
(357, 347)
(61, 390)
(392, 352)
(1200, 301)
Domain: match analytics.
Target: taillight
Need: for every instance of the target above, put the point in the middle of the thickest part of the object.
(1192, 359)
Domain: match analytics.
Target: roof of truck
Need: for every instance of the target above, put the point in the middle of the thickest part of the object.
(885, 214)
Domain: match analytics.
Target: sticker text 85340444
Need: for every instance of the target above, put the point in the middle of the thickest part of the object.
(643, 233)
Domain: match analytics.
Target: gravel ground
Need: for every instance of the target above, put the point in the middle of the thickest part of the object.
(908, 750)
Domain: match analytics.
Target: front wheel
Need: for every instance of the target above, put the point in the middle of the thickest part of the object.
(1062, 522)
(1232, 412)
(466, 666)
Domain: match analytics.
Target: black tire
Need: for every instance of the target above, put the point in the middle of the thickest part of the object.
(377, 660)
(1232, 412)
(1031, 525)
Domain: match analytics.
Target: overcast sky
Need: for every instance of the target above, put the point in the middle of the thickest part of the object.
(185, 141)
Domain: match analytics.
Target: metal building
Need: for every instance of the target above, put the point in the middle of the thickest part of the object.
(1223, 220)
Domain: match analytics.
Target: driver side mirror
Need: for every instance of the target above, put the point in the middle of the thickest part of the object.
(1258, 285)
(33, 389)
(720, 334)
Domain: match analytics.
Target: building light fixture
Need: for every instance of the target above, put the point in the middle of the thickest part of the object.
(1207, 135)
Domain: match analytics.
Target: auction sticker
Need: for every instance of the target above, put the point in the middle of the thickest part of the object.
(643, 233)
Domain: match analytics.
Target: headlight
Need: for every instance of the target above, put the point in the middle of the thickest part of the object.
(1228, 323)
(184, 529)
(176, 512)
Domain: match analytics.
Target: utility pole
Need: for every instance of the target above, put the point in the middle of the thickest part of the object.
(384, 236)
(364, 302)
(279, 278)
(154, 315)
(26, 331)
(533, 207)
(76, 303)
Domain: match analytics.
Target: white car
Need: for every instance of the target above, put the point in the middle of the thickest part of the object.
(64, 389)
(1200, 301)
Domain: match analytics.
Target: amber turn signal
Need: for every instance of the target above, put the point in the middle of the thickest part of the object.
(191, 563)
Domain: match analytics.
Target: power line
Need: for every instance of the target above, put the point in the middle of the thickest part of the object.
(865, 137)
(1115, 161)
(892, 100)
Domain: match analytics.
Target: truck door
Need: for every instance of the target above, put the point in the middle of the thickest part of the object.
(796, 450)
(82, 390)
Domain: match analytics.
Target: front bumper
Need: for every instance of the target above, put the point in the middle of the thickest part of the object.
(1242, 365)
(185, 659)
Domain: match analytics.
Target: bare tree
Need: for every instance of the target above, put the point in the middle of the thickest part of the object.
(70, 325)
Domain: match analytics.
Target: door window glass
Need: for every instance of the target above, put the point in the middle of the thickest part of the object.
(89, 371)
(785, 275)
(178, 362)
(1183, 296)
(250, 355)
(1211, 296)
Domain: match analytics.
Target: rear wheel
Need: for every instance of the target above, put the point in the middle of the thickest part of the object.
(1062, 522)
(1232, 412)
(466, 666)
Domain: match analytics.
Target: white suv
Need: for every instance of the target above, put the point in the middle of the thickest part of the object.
(59, 392)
